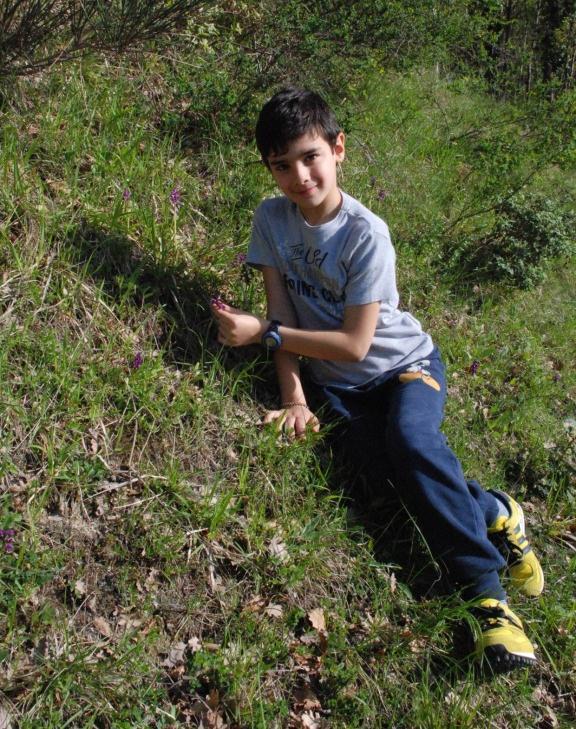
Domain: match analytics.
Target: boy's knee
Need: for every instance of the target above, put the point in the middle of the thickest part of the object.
(410, 439)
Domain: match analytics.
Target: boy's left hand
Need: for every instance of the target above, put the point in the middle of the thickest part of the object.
(294, 420)
(237, 328)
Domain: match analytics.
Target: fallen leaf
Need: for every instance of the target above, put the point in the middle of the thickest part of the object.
(213, 699)
(255, 604)
(175, 655)
(277, 548)
(549, 719)
(309, 638)
(212, 647)
(5, 719)
(310, 720)
(317, 619)
(128, 623)
(273, 610)
(102, 626)
(418, 645)
(212, 720)
(306, 699)
(543, 696)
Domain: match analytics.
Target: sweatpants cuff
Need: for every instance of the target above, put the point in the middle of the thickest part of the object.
(487, 585)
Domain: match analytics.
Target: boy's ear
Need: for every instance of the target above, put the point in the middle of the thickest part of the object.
(339, 147)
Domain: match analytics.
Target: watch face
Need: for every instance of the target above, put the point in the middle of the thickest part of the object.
(272, 340)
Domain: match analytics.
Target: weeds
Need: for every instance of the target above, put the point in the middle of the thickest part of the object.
(173, 562)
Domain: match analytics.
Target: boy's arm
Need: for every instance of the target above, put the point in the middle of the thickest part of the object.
(350, 343)
(279, 306)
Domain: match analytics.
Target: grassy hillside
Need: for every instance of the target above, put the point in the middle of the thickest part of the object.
(168, 562)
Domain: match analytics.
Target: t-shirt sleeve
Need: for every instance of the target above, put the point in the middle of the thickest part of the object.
(372, 274)
(260, 250)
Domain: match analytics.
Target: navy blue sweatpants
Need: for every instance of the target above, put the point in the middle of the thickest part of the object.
(392, 425)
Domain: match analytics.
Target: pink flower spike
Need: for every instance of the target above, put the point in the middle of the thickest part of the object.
(176, 198)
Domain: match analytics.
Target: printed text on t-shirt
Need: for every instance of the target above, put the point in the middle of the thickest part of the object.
(312, 256)
(309, 291)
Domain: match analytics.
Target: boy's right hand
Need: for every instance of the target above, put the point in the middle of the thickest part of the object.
(293, 419)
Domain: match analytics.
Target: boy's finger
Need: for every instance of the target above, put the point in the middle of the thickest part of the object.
(299, 426)
(272, 416)
(315, 424)
(217, 310)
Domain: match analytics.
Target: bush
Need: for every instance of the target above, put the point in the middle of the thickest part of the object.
(37, 33)
(242, 51)
(528, 231)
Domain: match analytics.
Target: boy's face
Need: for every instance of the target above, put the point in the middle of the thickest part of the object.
(306, 174)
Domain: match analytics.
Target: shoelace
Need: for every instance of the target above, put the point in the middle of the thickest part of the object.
(503, 541)
(490, 617)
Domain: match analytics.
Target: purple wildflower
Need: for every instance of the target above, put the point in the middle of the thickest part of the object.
(126, 194)
(7, 536)
(217, 302)
(382, 194)
(240, 259)
(473, 369)
(556, 377)
(137, 361)
(176, 198)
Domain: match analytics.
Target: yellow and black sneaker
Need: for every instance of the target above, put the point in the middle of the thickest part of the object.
(500, 638)
(508, 534)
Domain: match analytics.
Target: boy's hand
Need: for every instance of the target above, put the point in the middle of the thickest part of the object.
(237, 328)
(294, 419)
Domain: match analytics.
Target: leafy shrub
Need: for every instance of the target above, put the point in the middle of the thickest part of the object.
(242, 51)
(528, 231)
(36, 33)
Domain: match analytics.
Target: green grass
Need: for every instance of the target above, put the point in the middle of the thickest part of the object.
(169, 551)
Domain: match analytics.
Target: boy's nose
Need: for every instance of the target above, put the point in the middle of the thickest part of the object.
(302, 174)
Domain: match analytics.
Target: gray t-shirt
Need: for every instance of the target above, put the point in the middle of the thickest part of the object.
(347, 261)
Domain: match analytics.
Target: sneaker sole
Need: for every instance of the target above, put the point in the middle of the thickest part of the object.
(501, 660)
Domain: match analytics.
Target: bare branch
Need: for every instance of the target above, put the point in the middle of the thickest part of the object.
(36, 33)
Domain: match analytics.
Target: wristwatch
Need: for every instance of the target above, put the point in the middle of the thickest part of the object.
(271, 339)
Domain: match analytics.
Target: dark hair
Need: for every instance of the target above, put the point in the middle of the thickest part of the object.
(289, 114)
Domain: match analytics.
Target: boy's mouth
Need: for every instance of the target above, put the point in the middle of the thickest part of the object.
(307, 191)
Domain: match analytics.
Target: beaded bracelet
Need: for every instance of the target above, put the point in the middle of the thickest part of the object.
(294, 405)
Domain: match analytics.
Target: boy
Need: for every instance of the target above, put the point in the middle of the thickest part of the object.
(329, 277)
